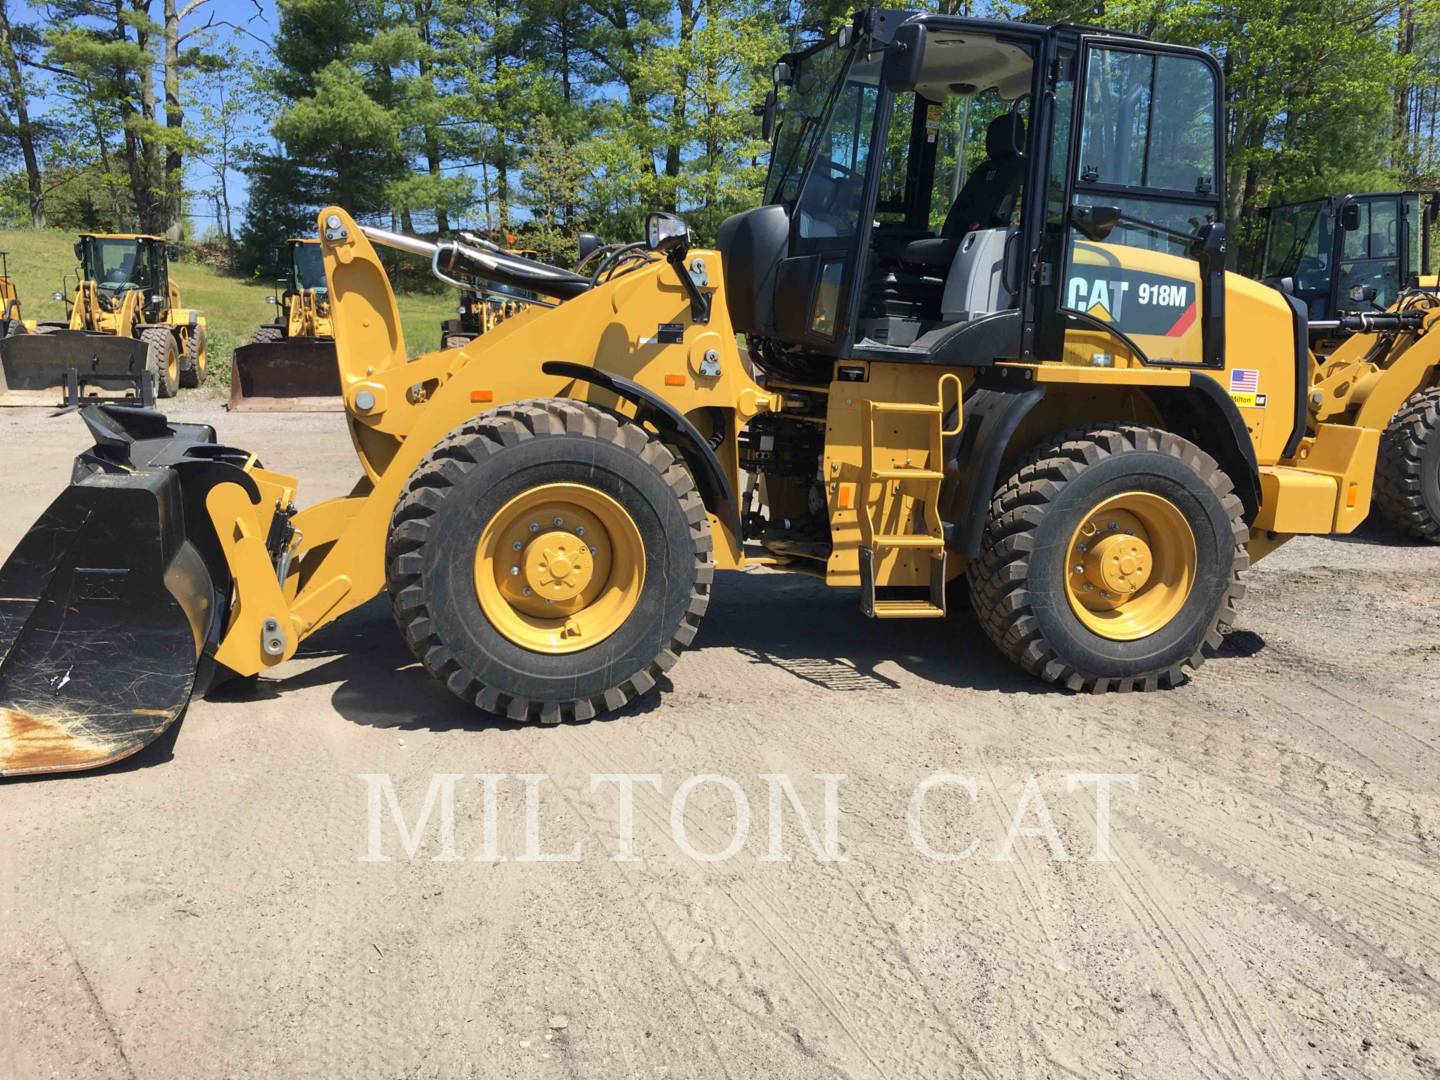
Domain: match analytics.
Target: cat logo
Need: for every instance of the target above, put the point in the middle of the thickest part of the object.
(1102, 298)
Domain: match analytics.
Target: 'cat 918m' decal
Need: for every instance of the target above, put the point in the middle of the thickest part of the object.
(1133, 301)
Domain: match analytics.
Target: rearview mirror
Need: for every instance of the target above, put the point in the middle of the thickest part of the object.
(1095, 222)
(767, 117)
(1350, 216)
(665, 232)
(79, 249)
(588, 244)
(57, 296)
(904, 56)
(172, 252)
(271, 300)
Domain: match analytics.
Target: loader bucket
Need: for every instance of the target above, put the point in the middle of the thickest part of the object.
(33, 367)
(110, 602)
(294, 375)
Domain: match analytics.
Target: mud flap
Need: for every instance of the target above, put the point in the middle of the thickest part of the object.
(110, 602)
(294, 375)
(34, 367)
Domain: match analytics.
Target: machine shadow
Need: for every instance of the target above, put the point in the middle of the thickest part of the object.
(379, 683)
(817, 634)
(1377, 532)
(810, 631)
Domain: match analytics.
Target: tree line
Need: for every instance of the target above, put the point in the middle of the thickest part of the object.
(535, 119)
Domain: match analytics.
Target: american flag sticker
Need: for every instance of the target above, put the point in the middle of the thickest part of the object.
(1244, 380)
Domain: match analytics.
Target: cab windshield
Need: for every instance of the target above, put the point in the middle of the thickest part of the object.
(1298, 245)
(116, 264)
(309, 267)
(814, 77)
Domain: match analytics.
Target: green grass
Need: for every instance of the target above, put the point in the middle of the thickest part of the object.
(233, 307)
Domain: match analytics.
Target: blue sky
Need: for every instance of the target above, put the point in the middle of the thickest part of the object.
(258, 19)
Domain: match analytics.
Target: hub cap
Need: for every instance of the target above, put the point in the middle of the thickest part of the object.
(559, 568)
(1131, 565)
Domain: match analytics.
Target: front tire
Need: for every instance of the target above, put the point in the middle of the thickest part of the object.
(1111, 559)
(192, 371)
(549, 500)
(162, 360)
(1407, 477)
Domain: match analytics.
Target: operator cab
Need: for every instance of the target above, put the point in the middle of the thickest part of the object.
(920, 207)
(1350, 253)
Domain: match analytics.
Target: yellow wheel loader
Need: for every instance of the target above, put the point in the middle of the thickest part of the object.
(11, 321)
(289, 365)
(1034, 374)
(127, 334)
(1349, 254)
(484, 306)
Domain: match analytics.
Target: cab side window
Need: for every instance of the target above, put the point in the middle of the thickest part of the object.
(1148, 143)
(1370, 257)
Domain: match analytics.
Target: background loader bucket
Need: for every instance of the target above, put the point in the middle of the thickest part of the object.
(294, 375)
(33, 366)
(106, 605)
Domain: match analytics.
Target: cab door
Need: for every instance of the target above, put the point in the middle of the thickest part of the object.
(1143, 152)
(816, 285)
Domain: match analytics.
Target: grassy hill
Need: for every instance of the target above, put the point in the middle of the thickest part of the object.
(39, 260)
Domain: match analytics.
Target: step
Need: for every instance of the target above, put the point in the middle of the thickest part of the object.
(906, 474)
(919, 407)
(906, 609)
(906, 540)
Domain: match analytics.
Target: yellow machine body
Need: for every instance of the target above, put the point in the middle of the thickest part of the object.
(885, 424)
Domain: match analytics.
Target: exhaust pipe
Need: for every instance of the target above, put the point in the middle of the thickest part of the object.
(450, 258)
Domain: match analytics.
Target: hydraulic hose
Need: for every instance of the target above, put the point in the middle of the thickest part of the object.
(451, 258)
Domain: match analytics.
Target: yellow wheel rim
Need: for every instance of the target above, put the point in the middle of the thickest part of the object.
(199, 360)
(1130, 566)
(172, 369)
(559, 568)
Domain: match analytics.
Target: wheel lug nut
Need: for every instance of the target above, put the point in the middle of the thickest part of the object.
(559, 521)
(525, 591)
(1079, 569)
(534, 526)
(517, 545)
(1114, 526)
(579, 530)
(592, 551)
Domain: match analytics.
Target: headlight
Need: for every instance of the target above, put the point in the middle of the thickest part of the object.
(664, 232)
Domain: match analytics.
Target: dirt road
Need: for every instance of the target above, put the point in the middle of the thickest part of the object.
(1271, 908)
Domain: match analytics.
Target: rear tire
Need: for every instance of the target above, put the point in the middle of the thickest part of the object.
(268, 334)
(1407, 478)
(1026, 585)
(192, 370)
(442, 575)
(162, 360)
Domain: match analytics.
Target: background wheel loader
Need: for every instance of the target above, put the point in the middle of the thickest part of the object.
(11, 320)
(126, 325)
(484, 306)
(1038, 376)
(289, 365)
(1349, 253)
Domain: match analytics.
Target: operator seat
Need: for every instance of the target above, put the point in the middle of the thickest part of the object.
(985, 202)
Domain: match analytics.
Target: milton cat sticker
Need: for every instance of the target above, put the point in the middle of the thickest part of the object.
(1132, 300)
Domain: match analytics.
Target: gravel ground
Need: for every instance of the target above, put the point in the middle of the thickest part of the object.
(1270, 907)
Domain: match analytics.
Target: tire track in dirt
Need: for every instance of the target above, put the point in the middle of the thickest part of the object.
(880, 1019)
